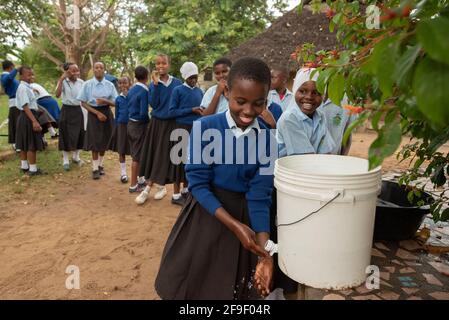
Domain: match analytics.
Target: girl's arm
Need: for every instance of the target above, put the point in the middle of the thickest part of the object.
(36, 126)
(268, 117)
(212, 107)
(59, 86)
(90, 109)
(102, 101)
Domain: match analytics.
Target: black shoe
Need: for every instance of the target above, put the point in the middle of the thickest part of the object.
(101, 169)
(39, 172)
(124, 178)
(96, 174)
(185, 195)
(56, 136)
(179, 202)
(24, 170)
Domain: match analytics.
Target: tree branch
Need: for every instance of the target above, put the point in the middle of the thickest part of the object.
(53, 38)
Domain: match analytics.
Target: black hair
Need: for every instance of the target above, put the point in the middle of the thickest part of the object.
(224, 61)
(165, 56)
(141, 73)
(67, 65)
(104, 65)
(7, 64)
(23, 68)
(249, 68)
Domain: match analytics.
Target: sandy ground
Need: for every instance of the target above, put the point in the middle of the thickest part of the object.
(96, 226)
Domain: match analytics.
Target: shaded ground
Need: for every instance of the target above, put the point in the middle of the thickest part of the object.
(69, 219)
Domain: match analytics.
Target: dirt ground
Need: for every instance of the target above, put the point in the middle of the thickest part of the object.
(95, 226)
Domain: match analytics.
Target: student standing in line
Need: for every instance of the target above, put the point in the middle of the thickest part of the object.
(155, 163)
(119, 140)
(10, 85)
(96, 96)
(185, 107)
(71, 121)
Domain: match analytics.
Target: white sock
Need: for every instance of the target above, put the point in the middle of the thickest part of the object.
(176, 196)
(24, 164)
(65, 157)
(184, 190)
(95, 164)
(100, 159)
(14, 146)
(52, 131)
(123, 168)
(141, 180)
(33, 167)
(76, 155)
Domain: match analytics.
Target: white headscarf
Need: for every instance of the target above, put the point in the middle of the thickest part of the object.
(304, 75)
(188, 69)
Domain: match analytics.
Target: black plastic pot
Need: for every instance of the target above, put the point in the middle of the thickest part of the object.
(397, 218)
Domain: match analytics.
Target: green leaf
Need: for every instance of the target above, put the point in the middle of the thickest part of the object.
(438, 177)
(404, 66)
(410, 196)
(388, 140)
(375, 120)
(385, 67)
(352, 126)
(445, 215)
(323, 78)
(430, 86)
(433, 35)
(336, 88)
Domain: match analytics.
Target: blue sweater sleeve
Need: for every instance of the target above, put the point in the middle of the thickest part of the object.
(143, 103)
(259, 196)
(175, 108)
(117, 109)
(154, 94)
(200, 176)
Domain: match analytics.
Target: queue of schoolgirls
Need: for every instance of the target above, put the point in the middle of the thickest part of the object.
(216, 248)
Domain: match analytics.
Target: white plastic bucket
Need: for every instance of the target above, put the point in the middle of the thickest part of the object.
(329, 249)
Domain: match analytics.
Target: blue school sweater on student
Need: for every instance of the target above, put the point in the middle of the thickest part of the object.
(10, 83)
(183, 99)
(244, 178)
(137, 104)
(160, 98)
(121, 109)
(276, 110)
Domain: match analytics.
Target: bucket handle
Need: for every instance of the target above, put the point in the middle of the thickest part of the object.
(310, 214)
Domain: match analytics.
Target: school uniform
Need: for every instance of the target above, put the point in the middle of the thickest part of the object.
(119, 140)
(10, 85)
(26, 138)
(298, 134)
(183, 99)
(337, 120)
(71, 120)
(284, 101)
(202, 258)
(223, 103)
(155, 163)
(137, 105)
(45, 100)
(98, 133)
(275, 110)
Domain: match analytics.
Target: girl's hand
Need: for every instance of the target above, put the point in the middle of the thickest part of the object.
(263, 276)
(268, 117)
(101, 101)
(248, 239)
(197, 110)
(221, 86)
(36, 126)
(155, 77)
(101, 117)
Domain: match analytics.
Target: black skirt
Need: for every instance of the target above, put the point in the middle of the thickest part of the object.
(13, 115)
(180, 174)
(71, 128)
(136, 136)
(26, 138)
(119, 139)
(98, 133)
(155, 163)
(203, 259)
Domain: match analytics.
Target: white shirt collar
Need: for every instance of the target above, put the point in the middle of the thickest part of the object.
(170, 79)
(25, 83)
(236, 130)
(142, 85)
(185, 84)
(5, 72)
(96, 81)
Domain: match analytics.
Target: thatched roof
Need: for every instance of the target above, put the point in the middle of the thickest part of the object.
(277, 42)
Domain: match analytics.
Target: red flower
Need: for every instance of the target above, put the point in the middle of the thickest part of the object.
(330, 13)
(353, 109)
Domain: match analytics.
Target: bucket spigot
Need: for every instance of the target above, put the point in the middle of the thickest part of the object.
(271, 247)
